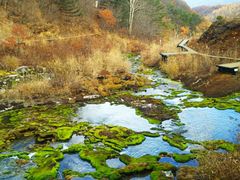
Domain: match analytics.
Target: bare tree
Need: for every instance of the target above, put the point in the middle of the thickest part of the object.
(134, 7)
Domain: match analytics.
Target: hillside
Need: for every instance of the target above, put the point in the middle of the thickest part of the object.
(228, 11)
(206, 10)
(223, 36)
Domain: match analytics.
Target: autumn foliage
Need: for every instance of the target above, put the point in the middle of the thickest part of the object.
(107, 16)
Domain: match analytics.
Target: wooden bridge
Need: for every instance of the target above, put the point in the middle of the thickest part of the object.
(229, 67)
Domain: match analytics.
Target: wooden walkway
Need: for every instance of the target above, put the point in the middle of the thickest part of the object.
(229, 67)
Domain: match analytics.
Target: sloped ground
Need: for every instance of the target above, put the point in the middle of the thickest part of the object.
(223, 36)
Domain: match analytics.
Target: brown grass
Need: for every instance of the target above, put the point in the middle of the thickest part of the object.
(10, 63)
(219, 166)
(188, 65)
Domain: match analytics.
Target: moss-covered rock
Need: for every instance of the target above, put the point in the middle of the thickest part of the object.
(223, 103)
(114, 137)
(182, 158)
(64, 133)
(20, 155)
(47, 164)
(176, 140)
(45, 122)
(219, 144)
(154, 110)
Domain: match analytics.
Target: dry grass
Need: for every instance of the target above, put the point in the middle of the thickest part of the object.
(34, 89)
(10, 63)
(151, 55)
(188, 65)
(219, 166)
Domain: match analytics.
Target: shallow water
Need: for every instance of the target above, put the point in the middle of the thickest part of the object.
(151, 146)
(208, 124)
(115, 163)
(75, 163)
(170, 160)
(117, 115)
(76, 139)
(11, 170)
(23, 144)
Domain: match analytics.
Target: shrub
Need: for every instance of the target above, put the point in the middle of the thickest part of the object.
(10, 62)
(151, 55)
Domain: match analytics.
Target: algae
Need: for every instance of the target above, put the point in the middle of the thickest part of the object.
(176, 140)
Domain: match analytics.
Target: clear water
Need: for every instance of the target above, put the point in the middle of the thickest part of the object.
(11, 170)
(210, 124)
(193, 163)
(151, 146)
(74, 163)
(76, 139)
(117, 115)
(23, 144)
(115, 163)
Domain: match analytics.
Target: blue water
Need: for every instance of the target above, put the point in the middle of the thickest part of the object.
(74, 163)
(151, 146)
(115, 163)
(117, 115)
(76, 139)
(210, 124)
(193, 163)
(23, 144)
(10, 170)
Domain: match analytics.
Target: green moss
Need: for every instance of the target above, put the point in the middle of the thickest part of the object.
(114, 137)
(149, 134)
(154, 110)
(143, 164)
(159, 175)
(228, 102)
(176, 140)
(47, 164)
(182, 158)
(219, 144)
(20, 155)
(40, 121)
(64, 133)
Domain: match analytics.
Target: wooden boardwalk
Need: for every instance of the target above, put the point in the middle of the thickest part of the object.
(229, 67)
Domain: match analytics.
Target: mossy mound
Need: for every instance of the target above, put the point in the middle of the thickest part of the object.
(154, 110)
(219, 144)
(114, 137)
(98, 156)
(176, 140)
(145, 163)
(20, 155)
(47, 164)
(182, 158)
(224, 103)
(41, 122)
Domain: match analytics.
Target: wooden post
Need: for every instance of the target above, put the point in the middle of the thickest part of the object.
(96, 3)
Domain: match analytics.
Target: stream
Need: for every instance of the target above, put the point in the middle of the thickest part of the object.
(199, 124)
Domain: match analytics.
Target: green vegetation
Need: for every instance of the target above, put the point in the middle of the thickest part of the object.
(47, 164)
(20, 155)
(228, 102)
(220, 144)
(154, 110)
(114, 137)
(176, 140)
(182, 158)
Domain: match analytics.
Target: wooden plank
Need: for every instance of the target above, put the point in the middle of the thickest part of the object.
(230, 65)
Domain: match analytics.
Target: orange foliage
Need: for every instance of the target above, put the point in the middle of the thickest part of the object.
(184, 31)
(19, 31)
(10, 42)
(107, 16)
